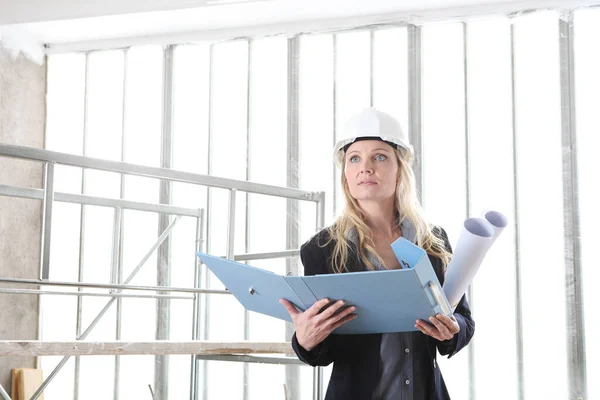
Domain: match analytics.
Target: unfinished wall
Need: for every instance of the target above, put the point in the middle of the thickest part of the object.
(22, 119)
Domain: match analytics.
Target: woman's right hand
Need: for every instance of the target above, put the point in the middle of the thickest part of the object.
(313, 326)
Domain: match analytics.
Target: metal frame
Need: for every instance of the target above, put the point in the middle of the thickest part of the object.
(518, 277)
(292, 373)
(246, 373)
(55, 157)
(47, 206)
(160, 347)
(575, 317)
(82, 215)
(93, 294)
(50, 158)
(576, 362)
(38, 194)
(119, 249)
(335, 124)
(3, 394)
(203, 312)
(371, 67)
(415, 102)
(471, 348)
(93, 324)
(196, 311)
(163, 306)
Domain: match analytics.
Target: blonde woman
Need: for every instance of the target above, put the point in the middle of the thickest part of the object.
(381, 205)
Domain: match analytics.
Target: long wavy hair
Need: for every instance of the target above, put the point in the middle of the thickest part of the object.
(406, 206)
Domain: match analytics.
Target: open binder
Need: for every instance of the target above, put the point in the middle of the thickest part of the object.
(386, 301)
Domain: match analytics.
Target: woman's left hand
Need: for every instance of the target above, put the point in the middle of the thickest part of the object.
(441, 327)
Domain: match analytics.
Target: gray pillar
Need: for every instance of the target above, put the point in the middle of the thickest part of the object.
(22, 122)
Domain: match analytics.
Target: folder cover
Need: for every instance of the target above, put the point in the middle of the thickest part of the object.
(386, 301)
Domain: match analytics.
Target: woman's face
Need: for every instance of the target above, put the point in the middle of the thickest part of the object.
(371, 170)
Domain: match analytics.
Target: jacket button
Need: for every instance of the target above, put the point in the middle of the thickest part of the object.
(407, 382)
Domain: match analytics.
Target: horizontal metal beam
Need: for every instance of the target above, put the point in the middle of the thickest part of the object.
(251, 359)
(33, 154)
(55, 292)
(3, 394)
(266, 256)
(37, 348)
(38, 194)
(112, 286)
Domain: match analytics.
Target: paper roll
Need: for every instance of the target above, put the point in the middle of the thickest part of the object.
(498, 222)
(475, 240)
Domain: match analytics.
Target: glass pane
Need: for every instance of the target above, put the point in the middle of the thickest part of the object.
(491, 186)
(444, 173)
(228, 153)
(353, 86)
(268, 159)
(65, 114)
(317, 172)
(390, 75)
(190, 153)
(104, 123)
(539, 168)
(143, 118)
(97, 264)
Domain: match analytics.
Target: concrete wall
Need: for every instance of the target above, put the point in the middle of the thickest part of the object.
(22, 120)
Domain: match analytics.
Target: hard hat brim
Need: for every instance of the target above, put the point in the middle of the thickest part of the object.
(338, 149)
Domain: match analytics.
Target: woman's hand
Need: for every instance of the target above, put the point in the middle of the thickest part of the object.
(313, 326)
(441, 327)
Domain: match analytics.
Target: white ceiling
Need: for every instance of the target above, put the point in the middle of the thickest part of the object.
(67, 21)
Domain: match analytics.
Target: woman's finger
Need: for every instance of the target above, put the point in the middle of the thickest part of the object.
(427, 329)
(450, 323)
(330, 311)
(316, 308)
(443, 329)
(289, 307)
(334, 319)
(342, 321)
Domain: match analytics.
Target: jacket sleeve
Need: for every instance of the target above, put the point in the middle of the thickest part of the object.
(462, 313)
(315, 263)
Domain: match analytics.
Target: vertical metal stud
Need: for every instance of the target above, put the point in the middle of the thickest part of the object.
(161, 363)
(82, 215)
(206, 308)
(292, 372)
(246, 372)
(576, 363)
(471, 348)
(122, 219)
(518, 278)
(47, 206)
(415, 102)
(334, 116)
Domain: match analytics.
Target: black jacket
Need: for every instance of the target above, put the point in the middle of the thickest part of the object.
(356, 358)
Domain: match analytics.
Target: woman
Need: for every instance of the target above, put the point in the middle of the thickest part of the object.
(381, 206)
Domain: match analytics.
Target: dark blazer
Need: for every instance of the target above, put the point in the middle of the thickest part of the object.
(356, 358)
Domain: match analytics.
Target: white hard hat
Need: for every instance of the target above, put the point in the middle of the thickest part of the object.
(371, 123)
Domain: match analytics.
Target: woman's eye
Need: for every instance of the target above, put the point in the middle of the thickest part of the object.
(380, 157)
(354, 159)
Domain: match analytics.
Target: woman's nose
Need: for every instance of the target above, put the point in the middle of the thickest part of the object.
(366, 167)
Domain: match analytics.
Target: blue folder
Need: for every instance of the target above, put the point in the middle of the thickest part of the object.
(386, 301)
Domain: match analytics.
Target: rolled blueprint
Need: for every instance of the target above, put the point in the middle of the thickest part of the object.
(475, 240)
(498, 221)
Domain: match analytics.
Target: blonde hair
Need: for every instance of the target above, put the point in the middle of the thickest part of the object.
(406, 206)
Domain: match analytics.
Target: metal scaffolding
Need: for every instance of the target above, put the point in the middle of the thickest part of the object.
(199, 350)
